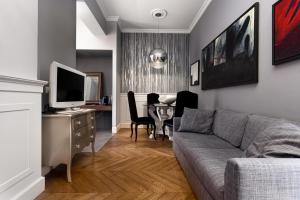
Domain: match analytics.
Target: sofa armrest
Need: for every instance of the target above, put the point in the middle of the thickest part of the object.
(262, 178)
(176, 123)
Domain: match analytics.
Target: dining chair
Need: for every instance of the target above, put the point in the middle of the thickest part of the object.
(185, 99)
(135, 120)
(152, 98)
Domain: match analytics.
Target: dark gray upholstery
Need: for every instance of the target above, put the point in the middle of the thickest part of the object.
(230, 126)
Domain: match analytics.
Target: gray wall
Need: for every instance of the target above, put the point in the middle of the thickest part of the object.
(56, 34)
(138, 76)
(98, 63)
(277, 92)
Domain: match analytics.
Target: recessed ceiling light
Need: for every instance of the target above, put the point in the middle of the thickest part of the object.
(159, 13)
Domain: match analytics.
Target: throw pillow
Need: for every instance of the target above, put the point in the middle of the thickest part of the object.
(278, 141)
(196, 121)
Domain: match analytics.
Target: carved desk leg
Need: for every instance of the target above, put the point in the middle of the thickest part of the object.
(69, 165)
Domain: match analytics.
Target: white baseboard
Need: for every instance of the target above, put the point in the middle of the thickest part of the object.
(32, 191)
(115, 129)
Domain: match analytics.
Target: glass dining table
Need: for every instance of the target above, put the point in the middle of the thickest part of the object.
(161, 112)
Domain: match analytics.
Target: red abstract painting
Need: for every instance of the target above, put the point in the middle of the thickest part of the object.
(286, 31)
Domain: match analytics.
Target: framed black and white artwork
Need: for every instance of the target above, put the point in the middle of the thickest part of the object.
(231, 59)
(195, 67)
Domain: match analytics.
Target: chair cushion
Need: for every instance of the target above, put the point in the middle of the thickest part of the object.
(255, 125)
(209, 165)
(230, 126)
(197, 121)
(279, 141)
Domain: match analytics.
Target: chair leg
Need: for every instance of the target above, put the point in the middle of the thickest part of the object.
(148, 129)
(154, 130)
(164, 132)
(136, 129)
(131, 126)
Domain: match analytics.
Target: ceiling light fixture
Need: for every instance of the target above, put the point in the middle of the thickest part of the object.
(158, 57)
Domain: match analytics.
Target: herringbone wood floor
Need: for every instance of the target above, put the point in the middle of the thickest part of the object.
(122, 170)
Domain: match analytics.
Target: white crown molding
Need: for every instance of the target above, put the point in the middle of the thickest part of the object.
(112, 18)
(132, 30)
(199, 14)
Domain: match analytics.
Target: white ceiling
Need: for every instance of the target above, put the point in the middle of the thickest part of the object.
(135, 16)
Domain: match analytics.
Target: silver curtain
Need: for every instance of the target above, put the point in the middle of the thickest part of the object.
(138, 76)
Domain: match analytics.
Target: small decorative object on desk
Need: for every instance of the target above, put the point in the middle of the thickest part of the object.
(169, 99)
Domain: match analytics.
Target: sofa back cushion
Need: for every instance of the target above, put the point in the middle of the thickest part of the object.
(277, 141)
(197, 121)
(255, 125)
(230, 126)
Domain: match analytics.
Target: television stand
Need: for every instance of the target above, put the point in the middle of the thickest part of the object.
(65, 134)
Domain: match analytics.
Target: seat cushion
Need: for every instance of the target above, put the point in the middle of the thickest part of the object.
(255, 125)
(209, 165)
(197, 121)
(230, 126)
(195, 140)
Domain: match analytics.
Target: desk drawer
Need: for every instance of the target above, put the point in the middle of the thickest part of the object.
(79, 122)
(91, 118)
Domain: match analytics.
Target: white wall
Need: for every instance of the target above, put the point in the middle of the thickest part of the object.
(18, 38)
(20, 101)
(277, 92)
(86, 39)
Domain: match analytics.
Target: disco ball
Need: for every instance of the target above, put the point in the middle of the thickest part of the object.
(158, 58)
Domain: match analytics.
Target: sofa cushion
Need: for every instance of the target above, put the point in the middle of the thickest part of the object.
(197, 121)
(209, 165)
(230, 126)
(280, 141)
(255, 125)
(195, 140)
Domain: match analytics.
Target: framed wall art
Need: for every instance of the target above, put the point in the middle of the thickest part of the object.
(286, 31)
(232, 58)
(195, 68)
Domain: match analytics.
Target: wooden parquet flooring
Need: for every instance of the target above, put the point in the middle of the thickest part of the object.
(122, 170)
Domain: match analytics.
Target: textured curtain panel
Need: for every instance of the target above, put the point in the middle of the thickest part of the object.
(138, 76)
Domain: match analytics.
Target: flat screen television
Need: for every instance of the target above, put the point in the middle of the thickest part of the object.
(67, 86)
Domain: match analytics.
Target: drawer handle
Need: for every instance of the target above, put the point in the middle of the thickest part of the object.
(92, 118)
(92, 137)
(92, 127)
(78, 122)
(77, 146)
(78, 134)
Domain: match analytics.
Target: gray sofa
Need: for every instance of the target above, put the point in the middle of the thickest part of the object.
(216, 167)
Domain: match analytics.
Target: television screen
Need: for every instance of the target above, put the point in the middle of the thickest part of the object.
(70, 86)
